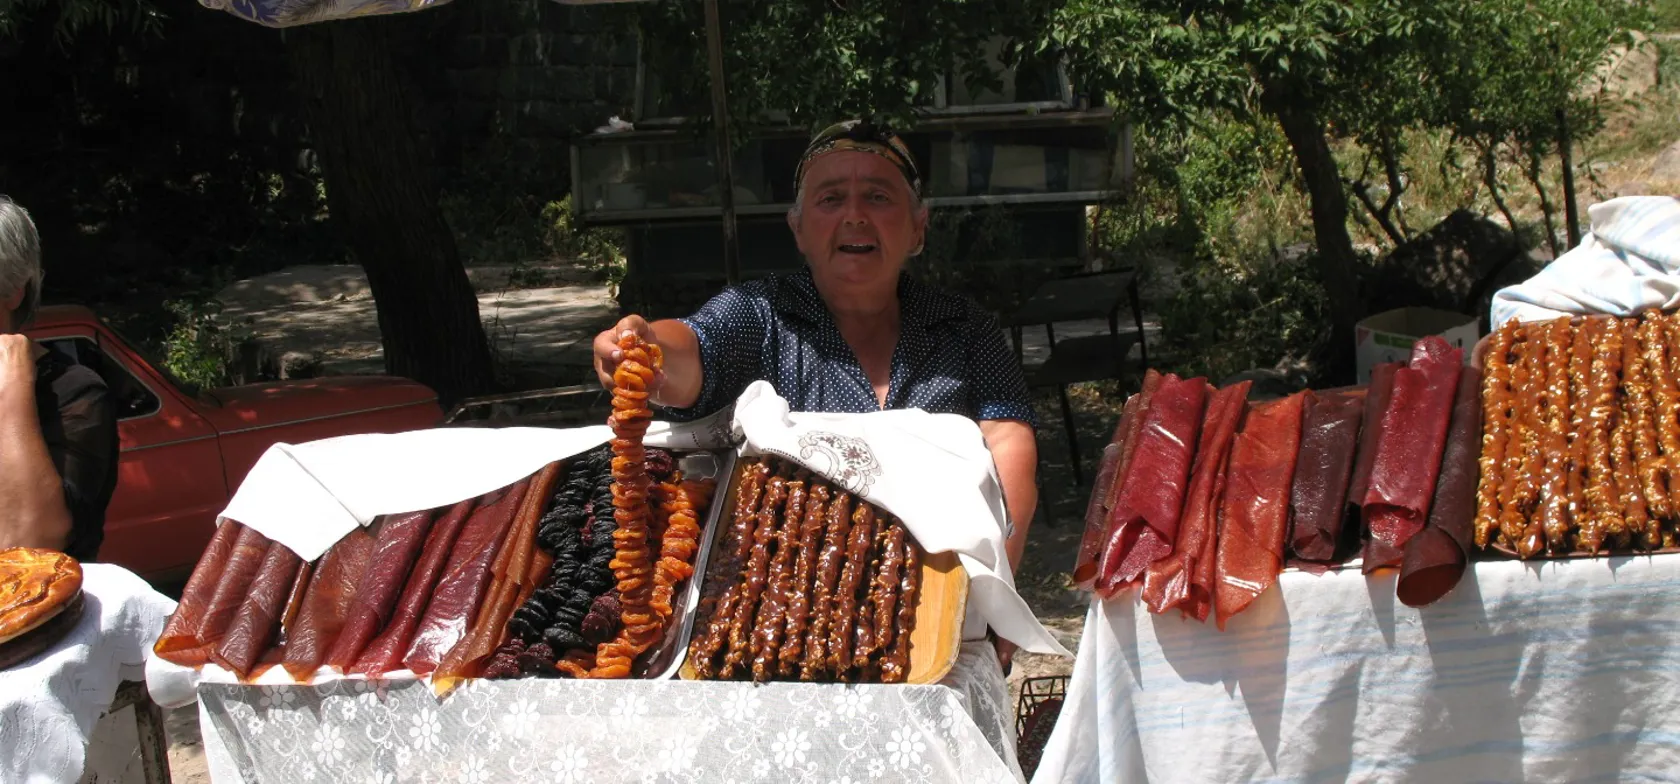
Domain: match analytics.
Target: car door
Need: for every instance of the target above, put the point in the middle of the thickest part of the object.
(169, 475)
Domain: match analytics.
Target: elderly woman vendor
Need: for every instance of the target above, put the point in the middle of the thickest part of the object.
(851, 332)
(58, 429)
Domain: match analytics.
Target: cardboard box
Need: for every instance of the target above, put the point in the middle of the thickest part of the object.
(1388, 337)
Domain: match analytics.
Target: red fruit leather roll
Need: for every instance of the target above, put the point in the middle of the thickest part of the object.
(1116, 457)
(464, 582)
(243, 563)
(294, 601)
(394, 553)
(180, 633)
(383, 653)
(1329, 438)
(326, 602)
(257, 621)
(1255, 510)
(511, 574)
(1409, 449)
(1435, 557)
(1170, 581)
(1144, 520)
(1377, 396)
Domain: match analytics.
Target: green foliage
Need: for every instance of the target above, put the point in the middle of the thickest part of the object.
(1665, 15)
(1230, 316)
(201, 349)
(595, 249)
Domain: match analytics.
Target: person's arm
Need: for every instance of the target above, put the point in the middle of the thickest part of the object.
(1015, 453)
(31, 491)
(679, 383)
(710, 357)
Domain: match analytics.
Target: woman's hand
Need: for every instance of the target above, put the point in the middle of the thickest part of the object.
(677, 385)
(608, 354)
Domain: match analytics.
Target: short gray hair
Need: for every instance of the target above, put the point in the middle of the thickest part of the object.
(20, 259)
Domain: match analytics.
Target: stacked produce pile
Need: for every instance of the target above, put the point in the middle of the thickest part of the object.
(808, 583)
(1583, 433)
(1202, 498)
(525, 579)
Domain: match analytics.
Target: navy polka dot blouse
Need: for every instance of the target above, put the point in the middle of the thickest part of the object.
(951, 357)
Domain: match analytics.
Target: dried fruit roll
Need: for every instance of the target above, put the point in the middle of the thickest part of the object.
(883, 590)
(895, 663)
(754, 576)
(1667, 399)
(1497, 410)
(772, 610)
(1554, 522)
(746, 509)
(1581, 379)
(864, 521)
(811, 531)
(632, 563)
(1616, 496)
(1523, 460)
(1641, 410)
(837, 533)
(863, 637)
(180, 633)
(704, 650)
(680, 542)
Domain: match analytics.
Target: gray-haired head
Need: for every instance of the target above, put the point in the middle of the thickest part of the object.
(20, 260)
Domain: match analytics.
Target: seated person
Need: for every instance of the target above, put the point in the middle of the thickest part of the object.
(851, 332)
(58, 429)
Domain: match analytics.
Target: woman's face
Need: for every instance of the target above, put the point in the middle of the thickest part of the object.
(858, 222)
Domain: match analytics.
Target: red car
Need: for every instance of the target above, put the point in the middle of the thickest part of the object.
(184, 453)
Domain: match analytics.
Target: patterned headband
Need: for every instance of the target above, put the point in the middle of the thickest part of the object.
(860, 136)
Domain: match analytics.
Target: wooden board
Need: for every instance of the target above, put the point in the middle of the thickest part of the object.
(941, 606)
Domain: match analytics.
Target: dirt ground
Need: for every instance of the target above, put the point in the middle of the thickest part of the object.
(311, 307)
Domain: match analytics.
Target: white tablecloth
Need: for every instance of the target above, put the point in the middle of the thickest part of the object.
(600, 732)
(50, 704)
(1563, 671)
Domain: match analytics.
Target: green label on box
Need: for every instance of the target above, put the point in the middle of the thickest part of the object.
(1393, 341)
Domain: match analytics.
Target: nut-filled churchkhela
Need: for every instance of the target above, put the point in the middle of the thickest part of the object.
(529, 579)
(1582, 433)
(1203, 498)
(808, 583)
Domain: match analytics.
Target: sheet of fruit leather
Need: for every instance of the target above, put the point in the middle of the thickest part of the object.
(257, 621)
(401, 538)
(326, 602)
(1116, 458)
(931, 470)
(1171, 580)
(1436, 557)
(1255, 510)
(1144, 521)
(1377, 396)
(180, 633)
(1414, 434)
(465, 580)
(307, 496)
(385, 651)
(1329, 438)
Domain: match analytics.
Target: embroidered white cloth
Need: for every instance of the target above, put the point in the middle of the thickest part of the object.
(1629, 262)
(1559, 671)
(50, 704)
(602, 732)
(932, 470)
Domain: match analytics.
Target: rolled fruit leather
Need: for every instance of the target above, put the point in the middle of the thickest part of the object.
(1436, 557)
(1378, 393)
(511, 574)
(1170, 582)
(1409, 451)
(326, 602)
(400, 539)
(465, 581)
(1116, 458)
(1329, 438)
(244, 562)
(1255, 509)
(1144, 521)
(383, 653)
(257, 621)
(180, 633)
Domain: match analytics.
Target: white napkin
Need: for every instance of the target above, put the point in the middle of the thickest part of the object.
(1629, 262)
(931, 470)
(308, 496)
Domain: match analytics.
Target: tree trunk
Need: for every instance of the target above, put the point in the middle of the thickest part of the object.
(381, 197)
(1336, 258)
(1566, 157)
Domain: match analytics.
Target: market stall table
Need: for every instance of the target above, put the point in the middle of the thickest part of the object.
(1553, 671)
(50, 705)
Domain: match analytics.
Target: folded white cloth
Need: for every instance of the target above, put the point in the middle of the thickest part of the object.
(1629, 262)
(50, 704)
(933, 471)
